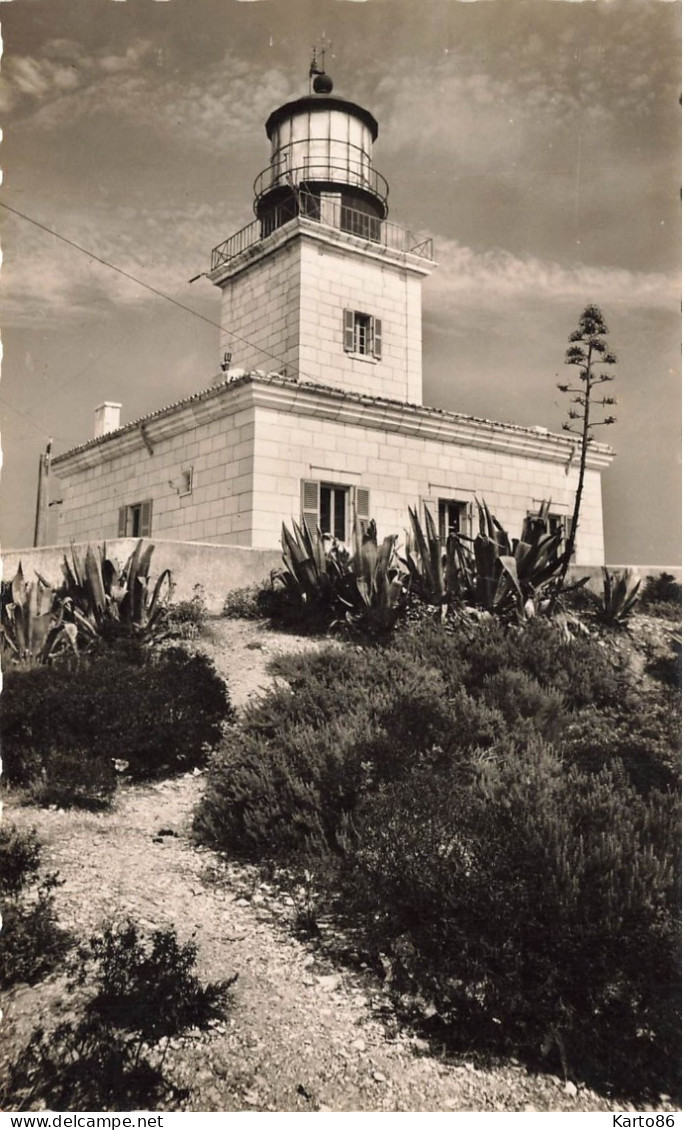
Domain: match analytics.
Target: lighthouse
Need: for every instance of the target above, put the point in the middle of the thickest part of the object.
(322, 286)
(317, 413)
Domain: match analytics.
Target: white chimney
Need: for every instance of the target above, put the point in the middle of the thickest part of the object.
(107, 418)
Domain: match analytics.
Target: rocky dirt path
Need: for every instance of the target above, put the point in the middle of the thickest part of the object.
(301, 1035)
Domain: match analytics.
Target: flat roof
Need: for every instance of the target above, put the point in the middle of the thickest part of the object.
(257, 376)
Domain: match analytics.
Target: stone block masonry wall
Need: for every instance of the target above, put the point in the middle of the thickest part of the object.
(261, 303)
(333, 280)
(288, 303)
(403, 470)
(218, 509)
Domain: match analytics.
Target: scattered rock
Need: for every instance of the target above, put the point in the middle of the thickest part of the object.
(329, 981)
(359, 1045)
(379, 1077)
(570, 1088)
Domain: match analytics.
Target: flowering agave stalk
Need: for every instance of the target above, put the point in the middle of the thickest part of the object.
(587, 350)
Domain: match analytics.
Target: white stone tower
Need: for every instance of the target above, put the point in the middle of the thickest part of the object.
(322, 285)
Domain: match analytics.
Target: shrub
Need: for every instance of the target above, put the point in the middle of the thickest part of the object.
(249, 603)
(524, 931)
(187, 619)
(346, 721)
(146, 991)
(663, 589)
(20, 854)
(147, 986)
(661, 596)
(73, 778)
(644, 738)
(160, 712)
(290, 780)
(31, 942)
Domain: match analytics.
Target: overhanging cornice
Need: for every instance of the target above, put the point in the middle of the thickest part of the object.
(299, 398)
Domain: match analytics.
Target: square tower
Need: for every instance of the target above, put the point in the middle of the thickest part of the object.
(321, 286)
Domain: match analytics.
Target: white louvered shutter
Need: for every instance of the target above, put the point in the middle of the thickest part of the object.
(146, 519)
(377, 338)
(363, 507)
(310, 504)
(349, 331)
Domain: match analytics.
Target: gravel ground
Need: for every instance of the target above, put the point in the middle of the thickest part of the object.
(301, 1035)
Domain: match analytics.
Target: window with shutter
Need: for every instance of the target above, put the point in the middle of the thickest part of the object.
(310, 504)
(377, 338)
(453, 517)
(362, 334)
(123, 516)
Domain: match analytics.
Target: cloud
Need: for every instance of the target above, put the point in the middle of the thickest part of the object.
(488, 280)
(161, 247)
(63, 68)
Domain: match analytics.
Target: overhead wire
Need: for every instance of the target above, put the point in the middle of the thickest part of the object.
(146, 286)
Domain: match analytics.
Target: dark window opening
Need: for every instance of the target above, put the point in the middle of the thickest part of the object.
(453, 517)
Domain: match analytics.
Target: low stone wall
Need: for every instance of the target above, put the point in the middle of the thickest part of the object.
(217, 568)
(595, 573)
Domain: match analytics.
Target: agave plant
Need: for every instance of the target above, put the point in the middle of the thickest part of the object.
(509, 577)
(620, 592)
(314, 565)
(433, 570)
(101, 600)
(33, 630)
(379, 595)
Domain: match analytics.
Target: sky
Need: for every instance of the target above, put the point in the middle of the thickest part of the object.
(536, 141)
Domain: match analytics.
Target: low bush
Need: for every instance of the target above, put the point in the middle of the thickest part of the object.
(661, 596)
(248, 603)
(345, 721)
(188, 619)
(535, 907)
(112, 1058)
(500, 807)
(73, 778)
(160, 712)
(663, 589)
(644, 740)
(31, 941)
(291, 779)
